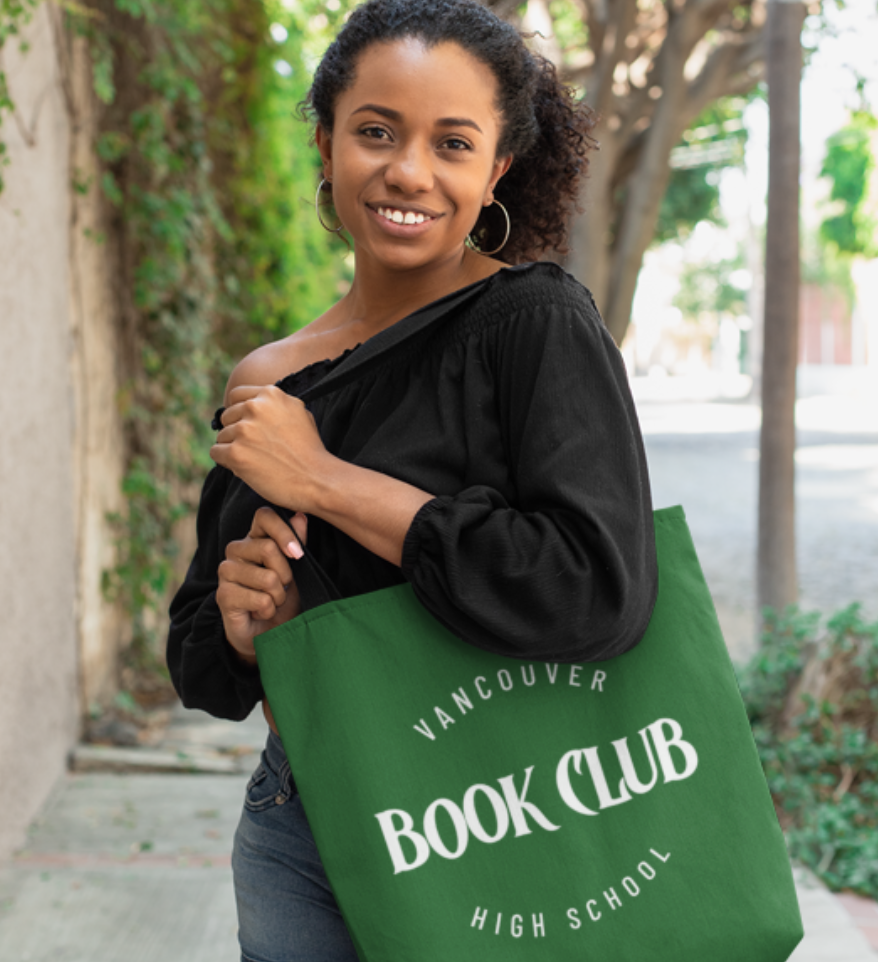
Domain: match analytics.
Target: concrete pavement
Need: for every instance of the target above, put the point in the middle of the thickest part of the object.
(704, 454)
(135, 867)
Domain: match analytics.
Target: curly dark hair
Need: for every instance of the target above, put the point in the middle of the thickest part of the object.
(545, 128)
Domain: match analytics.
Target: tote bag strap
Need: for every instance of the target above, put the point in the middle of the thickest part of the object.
(315, 586)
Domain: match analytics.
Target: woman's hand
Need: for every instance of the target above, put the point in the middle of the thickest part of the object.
(270, 441)
(256, 587)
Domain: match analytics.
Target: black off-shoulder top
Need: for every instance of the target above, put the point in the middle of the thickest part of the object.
(509, 402)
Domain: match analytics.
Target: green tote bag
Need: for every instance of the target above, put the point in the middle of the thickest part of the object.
(471, 807)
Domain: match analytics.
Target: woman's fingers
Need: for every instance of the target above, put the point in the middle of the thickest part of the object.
(254, 577)
(268, 524)
(299, 524)
(232, 597)
(256, 589)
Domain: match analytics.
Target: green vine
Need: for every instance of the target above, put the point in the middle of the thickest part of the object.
(208, 177)
(812, 699)
(14, 16)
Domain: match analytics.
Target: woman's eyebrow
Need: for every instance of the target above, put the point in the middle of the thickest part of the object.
(397, 116)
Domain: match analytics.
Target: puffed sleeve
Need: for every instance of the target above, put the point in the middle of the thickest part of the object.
(566, 570)
(202, 663)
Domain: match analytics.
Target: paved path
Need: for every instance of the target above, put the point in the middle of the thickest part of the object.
(134, 867)
(704, 456)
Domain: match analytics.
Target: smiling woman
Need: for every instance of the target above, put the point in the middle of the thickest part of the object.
(466, 424)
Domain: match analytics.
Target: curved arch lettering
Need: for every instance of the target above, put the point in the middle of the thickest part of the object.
(666, 749)
(505, 680)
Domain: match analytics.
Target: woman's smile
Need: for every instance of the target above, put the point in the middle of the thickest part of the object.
(402, 221)
(396, 216)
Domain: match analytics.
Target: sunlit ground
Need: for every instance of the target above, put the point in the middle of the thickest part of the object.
(704, 455)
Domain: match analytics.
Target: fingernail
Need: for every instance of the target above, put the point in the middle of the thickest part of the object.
(295, 549)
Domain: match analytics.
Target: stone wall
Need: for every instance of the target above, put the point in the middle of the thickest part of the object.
(61, 448)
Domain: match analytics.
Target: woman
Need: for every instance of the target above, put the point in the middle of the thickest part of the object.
(469, 426)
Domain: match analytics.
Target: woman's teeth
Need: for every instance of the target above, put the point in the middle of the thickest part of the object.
(398, 217)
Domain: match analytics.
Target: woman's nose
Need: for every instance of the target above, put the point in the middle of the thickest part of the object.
(411, 169)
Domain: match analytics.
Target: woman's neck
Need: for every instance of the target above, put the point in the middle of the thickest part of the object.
(378, 298)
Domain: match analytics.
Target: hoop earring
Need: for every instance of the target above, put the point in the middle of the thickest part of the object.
(330, 230)
(471, 244)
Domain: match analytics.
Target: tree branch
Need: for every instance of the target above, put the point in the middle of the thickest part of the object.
(596, 20)
(623, 18)
(727, 70)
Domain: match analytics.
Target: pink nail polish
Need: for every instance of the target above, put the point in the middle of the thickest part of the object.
(295, 549)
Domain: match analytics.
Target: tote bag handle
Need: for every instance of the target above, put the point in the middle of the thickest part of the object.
(315, 586)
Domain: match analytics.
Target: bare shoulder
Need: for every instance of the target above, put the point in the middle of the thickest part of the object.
(260, 367)
(272, 362)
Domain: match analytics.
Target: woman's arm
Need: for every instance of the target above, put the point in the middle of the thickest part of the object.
(561, 564)
(270, 441)
(204, 668)
(233, 590)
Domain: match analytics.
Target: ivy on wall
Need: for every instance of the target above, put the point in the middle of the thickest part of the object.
(208, 179)
(14, 16)
(212, 177)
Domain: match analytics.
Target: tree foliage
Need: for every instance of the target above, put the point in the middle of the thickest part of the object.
(849, 165)
(709, 289)
(714, 141)
(649, 69)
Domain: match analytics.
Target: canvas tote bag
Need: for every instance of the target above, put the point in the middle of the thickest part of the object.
(471, 807)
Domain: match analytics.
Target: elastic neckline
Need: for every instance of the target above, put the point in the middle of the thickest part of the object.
(377, 348)
(332, 361)
(326, 374)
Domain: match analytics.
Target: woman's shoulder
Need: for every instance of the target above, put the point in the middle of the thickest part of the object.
(273, 362)
(536, 295)
(258, 368)
(541, 284)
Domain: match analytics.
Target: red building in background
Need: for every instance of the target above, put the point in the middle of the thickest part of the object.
(825, 329)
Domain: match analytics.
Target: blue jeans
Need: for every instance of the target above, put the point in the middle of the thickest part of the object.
(286, 909)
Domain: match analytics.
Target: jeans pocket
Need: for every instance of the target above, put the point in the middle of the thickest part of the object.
(266, 789)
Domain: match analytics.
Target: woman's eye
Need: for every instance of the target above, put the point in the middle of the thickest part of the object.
(455, 143)
(374, 133)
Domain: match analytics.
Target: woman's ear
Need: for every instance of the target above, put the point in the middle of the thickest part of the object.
(501, 165)
(324, 145)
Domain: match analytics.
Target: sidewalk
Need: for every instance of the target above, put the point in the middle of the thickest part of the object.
(135, 867)
(704, 454)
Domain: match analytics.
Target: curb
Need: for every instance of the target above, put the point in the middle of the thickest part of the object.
(141, 761)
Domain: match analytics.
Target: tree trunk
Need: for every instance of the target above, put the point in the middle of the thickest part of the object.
(589, 257)
(777, 535)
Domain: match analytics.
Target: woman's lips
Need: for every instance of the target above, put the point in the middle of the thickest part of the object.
(403, 216)
(401, 222)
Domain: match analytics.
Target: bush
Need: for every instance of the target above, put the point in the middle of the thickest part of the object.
(812, 698)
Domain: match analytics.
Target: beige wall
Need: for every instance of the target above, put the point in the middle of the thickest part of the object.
(60, 445)
(97, 368)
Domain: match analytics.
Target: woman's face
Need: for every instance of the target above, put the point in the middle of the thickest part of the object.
(412, 156)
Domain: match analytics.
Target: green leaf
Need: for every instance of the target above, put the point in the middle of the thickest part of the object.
(102, 75)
